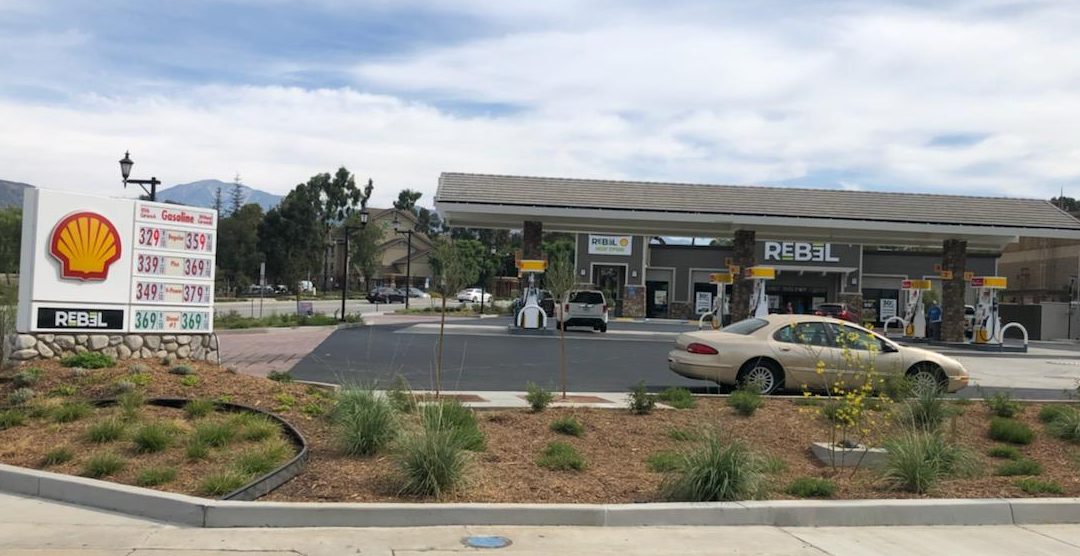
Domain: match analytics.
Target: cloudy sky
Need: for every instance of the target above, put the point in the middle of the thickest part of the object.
(964, 96)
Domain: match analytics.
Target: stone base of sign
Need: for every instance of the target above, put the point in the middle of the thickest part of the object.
(678, 310)
(29, 347)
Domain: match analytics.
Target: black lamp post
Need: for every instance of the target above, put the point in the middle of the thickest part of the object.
(483, 283)
(125, 170)
(345, 273)
(408, 256)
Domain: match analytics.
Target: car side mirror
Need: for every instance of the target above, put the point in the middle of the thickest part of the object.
(888, 348)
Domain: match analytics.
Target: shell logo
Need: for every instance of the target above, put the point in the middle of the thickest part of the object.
(86, 244)
(623, 242)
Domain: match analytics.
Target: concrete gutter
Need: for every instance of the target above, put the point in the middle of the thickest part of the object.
(202, 512)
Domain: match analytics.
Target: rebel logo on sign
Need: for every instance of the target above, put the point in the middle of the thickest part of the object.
(86, 244)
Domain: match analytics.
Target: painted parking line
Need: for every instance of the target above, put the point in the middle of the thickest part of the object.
(499, 331)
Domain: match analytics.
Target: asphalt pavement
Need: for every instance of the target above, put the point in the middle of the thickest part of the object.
(480, 355)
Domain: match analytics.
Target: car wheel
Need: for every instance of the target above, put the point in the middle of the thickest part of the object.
(762, 375)
(603, 327)
(558, 325)
(927, 377)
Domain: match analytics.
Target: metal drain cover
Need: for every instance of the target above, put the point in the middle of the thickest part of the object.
(486, 541)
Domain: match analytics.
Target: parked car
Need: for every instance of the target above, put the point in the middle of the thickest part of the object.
(281, 289)
(386, 295)
(778, 351)
(837, 311)
(547, 303)
(472, 295)
(417, 293)
(969, 320)
(255, 289)
(306, 286)
(582, 308)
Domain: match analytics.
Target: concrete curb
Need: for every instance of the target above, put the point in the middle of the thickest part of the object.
(202, 512)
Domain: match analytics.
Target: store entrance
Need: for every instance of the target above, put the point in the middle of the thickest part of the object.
(795, 299)
(610, 279)
(656, 299)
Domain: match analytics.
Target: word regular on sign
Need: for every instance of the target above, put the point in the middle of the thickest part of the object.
(799, 251)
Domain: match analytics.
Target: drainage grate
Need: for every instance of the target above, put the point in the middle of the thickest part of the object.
(486, 542)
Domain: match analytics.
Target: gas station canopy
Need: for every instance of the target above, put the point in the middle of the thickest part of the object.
(675, 209)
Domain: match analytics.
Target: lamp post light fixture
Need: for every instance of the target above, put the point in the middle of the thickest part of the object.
(125, 171)
(408, 255)
(345, 270)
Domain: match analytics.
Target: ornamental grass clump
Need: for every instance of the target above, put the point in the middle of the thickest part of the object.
(130, 404)
(70, 411)
(537, 397)
(106, 430)
(1066, 425)
(640, 401)
(103, 464)
(811, 487)
(400, 396)
(925, 411)
(664, 462)
(1002, 405)
(57, 456)
(560, 456)
(197, 409)
(1003, 451)
(1036, 486)
(11, 418)
(153, 437)
(1010, 430)
(154, 476)
(88, 360)
(29, 377)
(1022, 466)
(678, 398)
(219, 483)
(365, 423)
(716, 472)
(452, 414)
(918, 460)
(568, 425)
(745, 401)
(431, 459)
(214, 434)
(1050, 412)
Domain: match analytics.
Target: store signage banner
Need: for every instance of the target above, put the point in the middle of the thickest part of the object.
(888, 309)
(93, 263)
(702, 302)
(610, 245)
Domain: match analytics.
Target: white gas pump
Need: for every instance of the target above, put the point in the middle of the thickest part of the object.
(531, 316)
(987, 326)
(720, 306)
(914, 310)
(759, 300)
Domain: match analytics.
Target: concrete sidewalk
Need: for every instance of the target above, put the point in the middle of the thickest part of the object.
(36, 527)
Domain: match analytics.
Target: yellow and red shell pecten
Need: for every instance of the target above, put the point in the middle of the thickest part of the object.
(86, 244)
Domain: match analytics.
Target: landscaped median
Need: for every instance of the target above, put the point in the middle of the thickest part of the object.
(413, 462)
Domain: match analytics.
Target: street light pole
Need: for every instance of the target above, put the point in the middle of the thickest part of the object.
(408, 256)
(345, 272)
(125, 170)
(483, 284)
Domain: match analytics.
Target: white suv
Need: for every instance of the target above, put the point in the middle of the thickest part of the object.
(582, 308)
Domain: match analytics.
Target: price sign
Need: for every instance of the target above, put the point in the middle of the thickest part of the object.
(149, 291)
(149, 320)
(146, 263)
(149, 237)
(171, 292)
(164, 320)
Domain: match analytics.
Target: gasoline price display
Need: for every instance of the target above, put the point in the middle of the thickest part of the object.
(154, 292)
(166, 320)
(146, 263)
(163, 238)
(149, 291)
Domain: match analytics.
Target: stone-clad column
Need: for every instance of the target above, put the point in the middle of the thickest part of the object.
(532, 235)
(741, 288)
(954, 259)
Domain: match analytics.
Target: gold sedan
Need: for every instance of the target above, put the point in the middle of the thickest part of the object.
(792, 351)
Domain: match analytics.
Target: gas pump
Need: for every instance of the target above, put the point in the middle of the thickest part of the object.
(987, 326)
(720, 307)
(759, 301)
(531, 315)
(914, 310)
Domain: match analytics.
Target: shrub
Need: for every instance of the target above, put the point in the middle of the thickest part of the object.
(222, 482)
(365, 423)
(88, 360)
(197, 409)
(64, 390)
(190, 380)
(153, 437)
(196, 449)
(1051, 412)
(716, 472)
(811, 487)
(1010, 430)
(1002, 405)
(20, 396)
(1004, 452)
(400, 396)
(684, 435)
(214, 433)
(560, 456)
(430, 460)
(916, 461)
(11, 418)
(1035, 486)
(925, 411)
(314, 409)
(122, 386)
(106, 430)
(139, 369)
(641, 402)
(71, 411)
(140, 379)
(278, 376)
(664, 462)
(1066, 425)
(285, 401)
(1021, 466)
(451, 414)
(745, 402)
(130, 404)
(182, 370)
(103, 464)
(153, 476)
(537, 397)
(57, 456)
(568, 425)
(29, 377)
(679, 398)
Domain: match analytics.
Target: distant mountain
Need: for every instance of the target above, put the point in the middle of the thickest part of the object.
(201, 194)
(11, 193)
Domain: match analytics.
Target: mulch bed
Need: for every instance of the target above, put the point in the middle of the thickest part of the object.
(615, 445)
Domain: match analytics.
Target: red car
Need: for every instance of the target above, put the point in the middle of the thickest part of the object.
(837, 311)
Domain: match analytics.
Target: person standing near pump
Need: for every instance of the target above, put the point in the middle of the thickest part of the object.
(934, 316)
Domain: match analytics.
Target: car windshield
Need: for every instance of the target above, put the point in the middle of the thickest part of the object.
(592, 298)
(744, 327)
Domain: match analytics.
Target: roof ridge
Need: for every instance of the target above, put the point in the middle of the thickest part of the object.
(754, 186)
